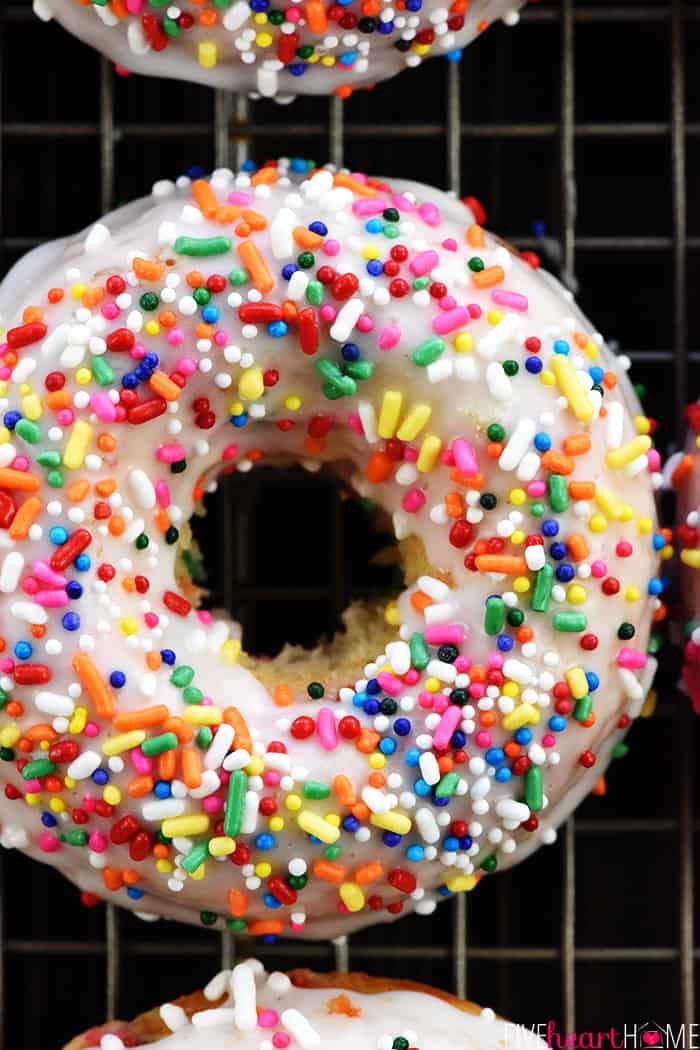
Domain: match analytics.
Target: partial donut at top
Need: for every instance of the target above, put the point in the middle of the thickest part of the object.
(305, 47)
(328, 318)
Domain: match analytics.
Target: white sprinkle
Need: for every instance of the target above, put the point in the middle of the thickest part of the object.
(236, 760)
(162, 809)
(509, 809)
(499, 335)
(217, 986)
(281, 233)
(368, 418)
(528, 466)
(98, 236)
(434, 588)
(517, 671)
(213, 1018)
(399, 656)
(427, 825)
(236, 16)
(298, 1026)
(517, 444)
(441, 612)
(631, 685)
(84, 766)
(54, 704)
(613, 424)
(429, 768)
(535, 557)
(173, 1017)
(218, 749)
(267, 82)
(347, 318)
(142, 488)
(211, 782)
(243, 988)
(29, 612)
(11, 571)
(250, 813)
(500, 386)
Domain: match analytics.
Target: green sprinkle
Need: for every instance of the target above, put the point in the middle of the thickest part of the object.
(306, 260)
(201, 296)
(489, 863)
(511, 368)
(192, 695)
(336, 385)
(515, 617)
(28, 431)
(182, 675)
(447, 786)
(102, 370)
(314, 789)
(537, 509)
(297, 882)
(236, 925)
(208, 918)
(238, 277)
(171, 28)
(359, 370)
(475, 264)
(558, 495)
(428, 351)
(156, 745)
(420, 283)
(391, 230)
(533, 789)
(495, 432)
(55, 479)
(314, 293)
(315, 690)
(204, 738)
(40, 767)
(542, 591)
(141, 541)
(570, 622)
(620, 750)
(305, 51)
(583, 708)
(149, 301)
(49, 459)
(332, 852)
(495, 615)
(196, 857)
(235, 801)
(7, 754)
(76, 838)
(420, 654)
(202, 246)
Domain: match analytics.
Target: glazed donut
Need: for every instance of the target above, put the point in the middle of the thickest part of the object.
(684, 474)
(253, 1010)
(319, 317)
(307, 48)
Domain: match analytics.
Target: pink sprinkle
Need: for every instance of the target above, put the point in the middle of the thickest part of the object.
(444, 634)
(390, 683)
(327, 313)
(465, 457)
(110, 311)
(5, 372)
(462, 664)
(449, 320)
(632, 659)
(426, 701)
(327, 729)
(430, 214)
(402, 203)
(230, 452)
(281, 1040)
(292, 14)
(220, 338)
(268, 1018)
(495, 661)
(48, 842)
(30, 585)
(475, 311)
(176, 337)
(355, 424)
(151, 620)
(43, 571)
(171, 453)
(448, 723)
(204, 616)
(549, 740)
(6, 665)
(134, 7)
(514, 300)
(441, 703)
(653, 459)
(331, 247)
(365, 323)
(51, 599)
(447, 457)
(65, 417)
(187, 366)
(536, 488)
(448, 302)
(413, 501)
(424, 262)
(138, 352)
(98, 841)
(272, 778)
(450, 244)
(411, 677)
(103, 407)
(91, 730)
(141, 763)
(212, 804)
(477, 690)
(410, 454)
(389, 337)
(483, 738)
(162, 493)
(368, 206)
(20, 463)
(239, 197)
(598, 569)
(33, 787)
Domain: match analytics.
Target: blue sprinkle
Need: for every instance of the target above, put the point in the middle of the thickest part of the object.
(565, 573)
(655, 586)
(117, 679)
(415, 853)
(503, 774)
(134, 893)
(454, 56)
(558, 551)
(441, 801)
(151, 360)
(288, 270)
(374, 226)
(387, 746)
(504, 643)
(371, 706)
(466, 842)
(350, 352)
(347, 58)
(297, 69)
(533, 365)
(412, 757)
(271, 902)
(391, 839)
(299, 164)
(494, 756)
(557, 723)
(210, 314)
(71, 621)
(596, 373)
(248, 165)
(539, 227)
(240, 421)
(658, 542)
(74, 589)
(550, 527)
(167, 656)
(373, 687)
(196, 171)
(58, 535)
(162, 789)
(421, 788)
(100, 777)
(458, 739)
(23, 650)
(82, 563)
(451, 843)
(48, 819)
(359, 699)
(523, 736)
(561, 346)
(542, 442)
(374, 267)
(351, 824)
(318, 227)
(385, 27)
(265, 841)
(130, 381)
(593, 681)
(11, 419)
(402, 727)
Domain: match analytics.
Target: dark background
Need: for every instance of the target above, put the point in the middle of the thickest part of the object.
(596, 934)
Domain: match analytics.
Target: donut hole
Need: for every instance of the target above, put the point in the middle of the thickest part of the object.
(303, 565)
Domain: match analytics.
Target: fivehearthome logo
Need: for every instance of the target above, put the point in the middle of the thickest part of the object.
(642, 1035)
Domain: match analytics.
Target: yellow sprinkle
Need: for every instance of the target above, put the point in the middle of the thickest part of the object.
(577, 682)
(114, 745)
(164, 866)
(315, 57)
(414, 422)
(517, 497)
(32, 799)
(112, 795)
(57, 805)
(206, 54)
(352, 896)
(77, 446)
(152, 328)
(32, 407)
(494, 317)
(598, 523)
(389, 413)
(523, 715)
(78, 720)
(129, 625)
(83, 376)
(642, 424)
(222, 846)
(263, 39)
(666, 552)
(626, 512)
(608, 502)
(464, 343)
(293, 803)
(255, 767)
(592, 350)
(251, 385)
(202, 715)
(645, 525)
(432, 684)
(576, 594)
(314, 825)
(263, 869)
(184, 827)
(9, 736)
(231, 650)
(521, 585)
(620, 457)
(511, 689)
(198, 873)
(571, 387)
(276, 823)
(691, 558)
(5, 435)
(44, 745)
(333, 818)
(377, 760)
(78, 291)
(392, 616)
(292, 403)
(392, 821)
(236, 408)
(649, 705)
(69, 782)
(461, 883)
(25, 389)
(429, 453)
(420, 49)
(632, 594)
(518, 536)
(328, 60)
(370, 251)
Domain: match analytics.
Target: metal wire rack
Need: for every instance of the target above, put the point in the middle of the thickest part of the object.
(582, 119)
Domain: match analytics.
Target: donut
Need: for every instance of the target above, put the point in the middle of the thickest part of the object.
(302, 1010)
(322, 317)
(683, 472)
(309, 48)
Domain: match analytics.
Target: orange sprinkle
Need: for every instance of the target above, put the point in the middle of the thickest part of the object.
(360, 811)
(256, 266)
(242, 738)
(153, 661)
(367, 873)
(264, 176)
(420, 601)
(164, 386)
(57, 399)
(140, 786)
(191, 767)
(445, 764)
(227, 213)
(205, 198)
(143, 718)
(367, 741)
(255, 220)
(379, 467)
(55, 295)
(105, 488)
(237, 903)
(282, 695)
(92, 297)
(557, 462)
(327, 871)
(682, 470)
(263, 927)
(357, 187)
(19, 480)
(182, 729)
(581, 490)
(161, 851)
(24, 517)
(454, 504)
(95, 684)
(147, 270)
(32, 313)
(474, 482)
(316, 17)
(511, 749)
(600, 787)
(577, 547)
(116, 525)
(112, 879)
(342, 1004)
(489, 277)
(307, 238)
(510, 564)
(577, 444)
(167, 765)
(344, 791)
(78, 490)
(130, 876)
(475, 236)
(487, 718)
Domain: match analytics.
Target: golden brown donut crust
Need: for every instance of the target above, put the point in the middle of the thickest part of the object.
(149, 1028)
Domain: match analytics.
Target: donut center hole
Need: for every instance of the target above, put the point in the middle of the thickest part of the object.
(302, 564)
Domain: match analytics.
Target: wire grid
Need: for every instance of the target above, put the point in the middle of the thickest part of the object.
(568, 961)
